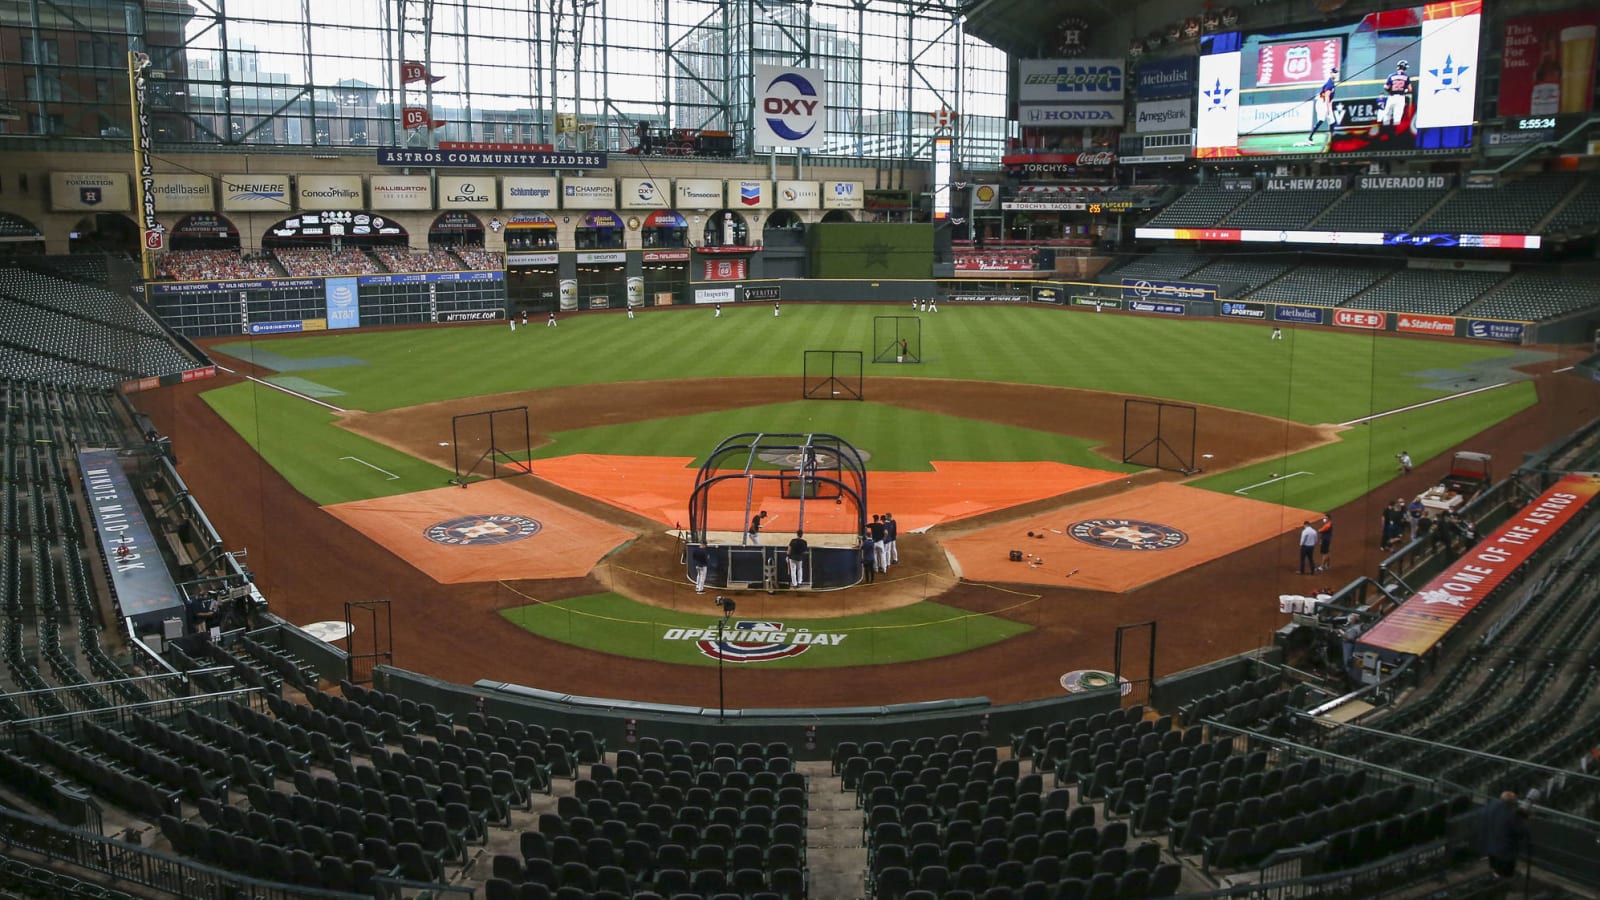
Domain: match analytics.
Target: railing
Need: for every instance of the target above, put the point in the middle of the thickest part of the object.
(1392, 876)
(69, 696)
(68, 724)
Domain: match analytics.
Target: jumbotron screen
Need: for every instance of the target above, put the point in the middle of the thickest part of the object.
(1401, 79)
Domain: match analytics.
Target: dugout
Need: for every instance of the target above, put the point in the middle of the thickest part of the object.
(815, 483)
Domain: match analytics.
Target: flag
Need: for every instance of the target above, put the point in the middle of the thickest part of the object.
(413, 72)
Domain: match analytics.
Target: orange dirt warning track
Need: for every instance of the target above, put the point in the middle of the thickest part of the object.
(658, 488)
(480, 534)
(1128, 553)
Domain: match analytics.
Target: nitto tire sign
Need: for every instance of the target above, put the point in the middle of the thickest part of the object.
(1240, 310)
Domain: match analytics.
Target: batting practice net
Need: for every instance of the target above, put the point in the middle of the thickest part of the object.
(896, 339)
(832, 375)
(789, 483)
(1159, 435)
(491, 444)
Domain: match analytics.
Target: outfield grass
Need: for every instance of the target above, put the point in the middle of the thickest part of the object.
(611, 623)
(1314, 376)
(905, 439)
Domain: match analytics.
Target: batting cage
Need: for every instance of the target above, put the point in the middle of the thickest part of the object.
(786, 484)
(1159, 435)
(832, 375)
(896, 339)
(493, 443)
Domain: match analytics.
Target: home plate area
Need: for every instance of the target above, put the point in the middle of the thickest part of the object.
(1121, 542)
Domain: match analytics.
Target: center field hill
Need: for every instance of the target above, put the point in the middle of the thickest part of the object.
(1313, 376)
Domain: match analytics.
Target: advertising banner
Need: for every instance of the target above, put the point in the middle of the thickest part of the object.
(1163, 115)
(1048, 294)
(985, 196)
(1163, 79)
(645, 193)
(665, 255)
(1239, 309)
(532, 259)
(1403, 182)
(772, 292)
(1359, 318)
(725, 269)
(144, 588)
(1096, 302)
(1156, 306)
(93, 191)
(750, 194)
(1145, 289)
(466, 192)
(400, 192)
(714, 295)
(183, 193)
(791, 107)
(1417, 323)
(529, 192)
(588, 193)
(1304, 62)
(329, 192)
(1547, 64)
(1070, 81)
(1451, 596)
(1325, 183)
(1489, 330)
(603, 256)
(344, 310)
(255, 193)
(799, 195)
(698, 193)
(1058, 115)
(842, 194)
(1344, 238)
(1299, 315)
(490, 159)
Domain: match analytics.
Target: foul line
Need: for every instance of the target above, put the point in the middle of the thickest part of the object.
(279, 387)
(1252, 487)
(1425, 403)
(392, 476)
(1559, 371)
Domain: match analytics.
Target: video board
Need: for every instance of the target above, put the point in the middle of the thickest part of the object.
(1400, 79)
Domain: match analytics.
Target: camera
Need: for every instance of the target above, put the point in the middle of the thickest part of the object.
(725, 604)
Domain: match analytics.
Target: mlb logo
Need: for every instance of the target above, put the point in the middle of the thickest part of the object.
(749, 193)
(1297, 62)
(90, 196)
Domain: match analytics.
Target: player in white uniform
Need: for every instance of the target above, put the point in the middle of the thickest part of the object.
(1396, 89)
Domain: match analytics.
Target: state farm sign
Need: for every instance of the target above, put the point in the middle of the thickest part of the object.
(1419, 324)
(1358, 318)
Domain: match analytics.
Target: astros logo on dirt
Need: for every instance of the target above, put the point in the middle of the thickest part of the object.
(1127, 534)
(477, 531)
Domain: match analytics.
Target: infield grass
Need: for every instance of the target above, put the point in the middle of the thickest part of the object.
(612, 623)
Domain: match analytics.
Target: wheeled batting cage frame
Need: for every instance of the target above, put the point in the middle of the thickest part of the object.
(811, 483)
(832, 375)
(889, 331)
(493, 443)
(1159, 435)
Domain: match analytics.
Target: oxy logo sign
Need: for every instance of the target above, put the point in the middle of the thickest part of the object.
(790, 107)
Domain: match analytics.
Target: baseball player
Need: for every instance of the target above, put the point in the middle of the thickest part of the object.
(719, 312)
(1322, 108)
(552, 321)
(630, 310)
(775, 310)
(797, 559)
(891, 535)
(1395, 90)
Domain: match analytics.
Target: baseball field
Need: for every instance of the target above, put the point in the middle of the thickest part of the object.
(1013, 417)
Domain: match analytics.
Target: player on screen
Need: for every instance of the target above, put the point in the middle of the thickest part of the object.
(1395, 90)
(1322, 107)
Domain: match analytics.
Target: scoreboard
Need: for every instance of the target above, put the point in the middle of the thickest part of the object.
(283, 305)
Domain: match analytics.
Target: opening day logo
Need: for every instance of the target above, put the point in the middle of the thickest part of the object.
(477, 531)
(750, 641)
(1127, 534)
